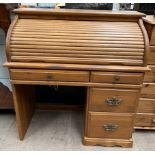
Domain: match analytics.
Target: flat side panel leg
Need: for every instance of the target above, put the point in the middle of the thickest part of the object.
(23, 96)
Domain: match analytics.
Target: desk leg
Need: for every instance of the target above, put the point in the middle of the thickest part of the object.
(23, 96)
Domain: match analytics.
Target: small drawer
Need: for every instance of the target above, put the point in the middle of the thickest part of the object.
(117, 77)
(146, 105)
(145, 120)
(148, 90)
(106, 125)
(113, 100)
(49, 75)
(150, 76)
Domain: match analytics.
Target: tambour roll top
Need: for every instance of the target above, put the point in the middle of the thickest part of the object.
(77, 37)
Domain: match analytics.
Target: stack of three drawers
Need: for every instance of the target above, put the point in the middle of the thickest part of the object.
(111, 111)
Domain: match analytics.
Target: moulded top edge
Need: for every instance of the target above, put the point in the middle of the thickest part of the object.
(78, 12)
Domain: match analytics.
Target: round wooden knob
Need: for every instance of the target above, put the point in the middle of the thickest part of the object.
(116, 79)
(49, 77)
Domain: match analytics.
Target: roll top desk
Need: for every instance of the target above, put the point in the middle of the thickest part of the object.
(104, 51)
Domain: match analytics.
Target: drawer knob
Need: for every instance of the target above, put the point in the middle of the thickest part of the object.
(113, 101)
(49, 77)
(116, 79)
(110, 127)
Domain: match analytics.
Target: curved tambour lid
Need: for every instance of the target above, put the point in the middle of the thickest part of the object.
(51, 40)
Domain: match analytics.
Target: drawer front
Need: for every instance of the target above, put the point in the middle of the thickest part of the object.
(101, 125)
(146, 105)
(145, 120)
(49, 75)
(151, 56)
(150, 76)
(113, 100)
(152, 39)
(116, 77)
(148, 90)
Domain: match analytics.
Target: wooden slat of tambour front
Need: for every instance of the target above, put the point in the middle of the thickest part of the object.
(80, 34)
(71, 30)
(76, 44)
(70, 22)
(41, 20)
(121, 53)
(79, 41)
(77, 37)
(77, 28)
(68, 29)
(37, 28)
(75, 55)
(76, 32)
(75, 24)
(80, 25)
(43, 47)
(76, 60)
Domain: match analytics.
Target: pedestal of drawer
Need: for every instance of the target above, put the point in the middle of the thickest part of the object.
(113, 100)
(109, 125)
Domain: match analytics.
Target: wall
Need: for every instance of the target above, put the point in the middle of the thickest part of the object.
(4, 74)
